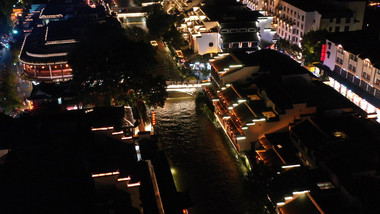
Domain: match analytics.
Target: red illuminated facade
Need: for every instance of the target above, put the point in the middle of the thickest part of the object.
(44, 52)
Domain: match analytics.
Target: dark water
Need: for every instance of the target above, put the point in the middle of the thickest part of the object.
(202, 161)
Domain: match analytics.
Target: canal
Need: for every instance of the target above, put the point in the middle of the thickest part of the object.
(203, 163)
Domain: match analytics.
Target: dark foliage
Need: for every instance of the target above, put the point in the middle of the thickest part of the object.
(106, 63)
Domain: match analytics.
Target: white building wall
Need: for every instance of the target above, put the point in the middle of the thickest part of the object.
(330, 60)
(264, 23)
(207, 43)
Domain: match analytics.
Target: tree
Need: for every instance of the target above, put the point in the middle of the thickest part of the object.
(10, 100)
(137, 34)
(312, 45)
(174, 37)
(159, 22)
(106, 63)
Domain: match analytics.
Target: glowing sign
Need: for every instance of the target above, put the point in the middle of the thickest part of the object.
(323, 53)
(153, 118)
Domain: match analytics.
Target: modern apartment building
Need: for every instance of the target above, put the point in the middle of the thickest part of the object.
(352, 63)
(294, 18)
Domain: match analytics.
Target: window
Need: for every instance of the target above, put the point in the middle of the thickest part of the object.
(346, 28)
(224, 31)
(337, 29)
(301, 34)
(251, 29)
(377, 70)
(294, 31)
(347, 20)
(353, 57)
(303, 17)
(365, 76)
(377, 82)
(329, 45)
(295, 14)
(352, 68)
(210, 44)
(330, 29)
(298, 24)
(331, 19)
(339, 61)
(298, 16)
(328, 54)
(301, 26)
(338, 20)
(233, 31)
(297, 32)
(243, 30)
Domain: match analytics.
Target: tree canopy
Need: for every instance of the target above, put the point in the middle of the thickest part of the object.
(159, 22)
(106, 63)
(312, 45)
(10, 100)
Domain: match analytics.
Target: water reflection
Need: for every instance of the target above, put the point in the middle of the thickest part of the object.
(202, 161)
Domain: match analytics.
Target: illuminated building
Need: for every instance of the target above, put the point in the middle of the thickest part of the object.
(352, 66)
(253, 96)
(44, 52)
(43, 55)
(294, 18)
(212, 29)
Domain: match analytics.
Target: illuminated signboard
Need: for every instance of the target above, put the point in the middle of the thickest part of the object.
(323, 53)
(153, 118)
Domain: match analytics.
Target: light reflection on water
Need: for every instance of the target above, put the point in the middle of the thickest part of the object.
(202, 161)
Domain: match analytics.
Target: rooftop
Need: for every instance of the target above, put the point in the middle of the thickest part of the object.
(345, 143)
(49, 44)
(230, 13)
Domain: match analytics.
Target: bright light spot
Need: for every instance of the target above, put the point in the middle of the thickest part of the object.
(134, 185)
(288, 198)
(290, 166)
(240, 138)
(301, 192)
